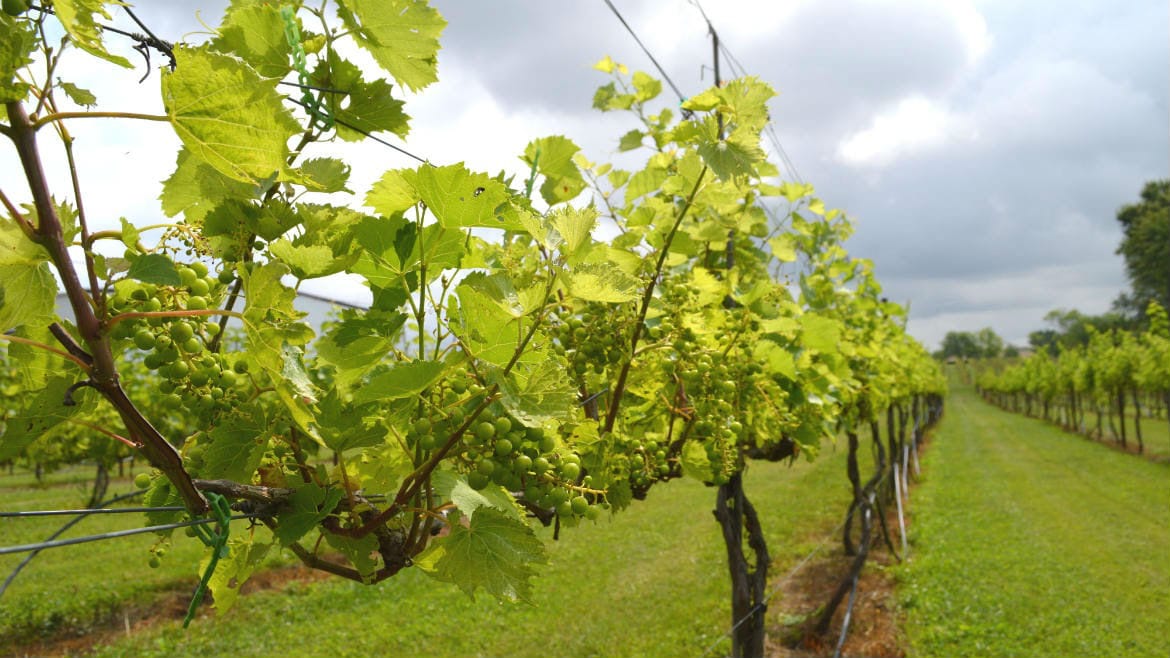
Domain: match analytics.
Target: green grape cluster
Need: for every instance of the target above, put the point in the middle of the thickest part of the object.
(496, 449)
(176, 347)
(593, 340)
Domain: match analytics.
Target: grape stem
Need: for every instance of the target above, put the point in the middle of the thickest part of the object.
(48, 348)
(130, 315)
(619, 388)
(103, 372)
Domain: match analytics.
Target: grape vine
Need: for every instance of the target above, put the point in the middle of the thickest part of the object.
(512, 368)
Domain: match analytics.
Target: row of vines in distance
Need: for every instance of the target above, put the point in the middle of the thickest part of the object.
(1115, 374)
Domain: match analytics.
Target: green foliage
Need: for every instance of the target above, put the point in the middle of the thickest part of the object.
(1146, 248)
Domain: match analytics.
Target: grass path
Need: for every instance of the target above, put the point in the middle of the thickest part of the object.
(1034, 542)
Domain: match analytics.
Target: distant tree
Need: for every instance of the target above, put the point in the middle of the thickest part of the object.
(961, 344)
(1146, 249)
(989, 343)
(1072, 326)
(1045, 338)
(1011, 351)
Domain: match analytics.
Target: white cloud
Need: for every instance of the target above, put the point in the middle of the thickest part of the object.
(915, 124)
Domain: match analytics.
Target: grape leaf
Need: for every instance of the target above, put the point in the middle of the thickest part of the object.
(82, 97)
(694, 460)
(227, 115)
(353, 358)
(196, 188)
(603, 282)
(574, 226)
(366, 107)
(731, 157)
(631, 140)
(393, 193)
(496, 553)
(42, 411)
(553, 158)
(536, 395)
(454, 487)
(402, 35)
(304, 510)
(401, 380)
(15, 50)
(77, 17)
(645, 87)
(231, 572)
(820, 333)
(325, 175)
(459, 198)
(154, 268)
(15, 248)
(344, 427)
(255, 34)
(237, 445)
(306, 261)
(363, 553)
(29, 295)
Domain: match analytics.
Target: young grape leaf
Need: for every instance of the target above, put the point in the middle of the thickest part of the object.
(227, 115)
(154, 268)
(82, 97)
(496, 553)
(553, 158)
(77, 17)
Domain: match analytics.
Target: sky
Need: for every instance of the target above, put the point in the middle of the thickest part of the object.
(982, 147)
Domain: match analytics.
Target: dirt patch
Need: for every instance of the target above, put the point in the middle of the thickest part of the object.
(873, 626)
(166, 606)
(875, 622)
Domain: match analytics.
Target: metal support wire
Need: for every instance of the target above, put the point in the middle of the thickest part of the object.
(28, 558)
(87, 512)
(8, 550)
(658, 66)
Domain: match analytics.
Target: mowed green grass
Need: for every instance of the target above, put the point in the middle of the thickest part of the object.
(1034, 542)
(69, 590)
(650, 582)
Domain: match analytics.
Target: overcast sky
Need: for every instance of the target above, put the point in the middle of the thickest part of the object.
(982, 146)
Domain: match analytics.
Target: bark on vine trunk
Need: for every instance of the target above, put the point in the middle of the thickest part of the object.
(739, 522)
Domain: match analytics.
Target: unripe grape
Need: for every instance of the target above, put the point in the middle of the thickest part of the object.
(187, 276)
(199, 287)
(200, 268)
(579, 505)
(503, 447)
(195, 303)
(142, 480)
(181, 331)
(144, 339)
(570, 471)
